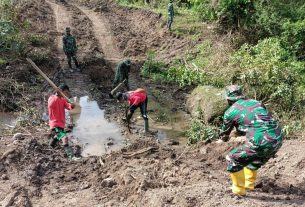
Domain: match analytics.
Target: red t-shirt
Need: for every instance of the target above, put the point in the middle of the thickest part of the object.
(56, 107)
(136, 97)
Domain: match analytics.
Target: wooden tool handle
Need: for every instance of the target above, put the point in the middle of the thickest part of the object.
(46, 77)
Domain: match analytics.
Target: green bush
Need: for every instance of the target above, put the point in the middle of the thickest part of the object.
(234, 14)
(38, 40)
(293, 38)
(151, 65)
(40, 57)
(199, 131)
(184, 75)
(269, 73)
(11, 42)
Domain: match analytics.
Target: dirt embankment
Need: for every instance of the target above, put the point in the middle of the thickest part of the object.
(137, 31)
(143, 174)
(19, 82)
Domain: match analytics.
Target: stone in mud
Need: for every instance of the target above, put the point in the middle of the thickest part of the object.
(206, 102)
(18, 136)
(108, 182)
(4, 177)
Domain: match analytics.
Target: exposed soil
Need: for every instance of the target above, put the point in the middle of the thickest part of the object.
(147, 172)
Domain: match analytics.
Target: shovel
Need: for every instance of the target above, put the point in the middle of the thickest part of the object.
(116, 88)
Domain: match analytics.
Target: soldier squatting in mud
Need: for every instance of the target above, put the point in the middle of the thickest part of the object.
(263, 132)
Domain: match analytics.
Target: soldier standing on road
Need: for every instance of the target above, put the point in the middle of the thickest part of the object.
(264, 136)
(121, 73)
(170, 14)
(70, 48)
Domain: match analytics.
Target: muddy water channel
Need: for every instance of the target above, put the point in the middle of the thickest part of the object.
(96, 134)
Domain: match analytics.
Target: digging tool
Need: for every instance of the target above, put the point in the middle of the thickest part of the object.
(47, 79)
(116, 88)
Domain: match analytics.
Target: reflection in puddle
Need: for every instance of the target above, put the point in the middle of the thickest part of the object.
(173, 129)
(94, 132)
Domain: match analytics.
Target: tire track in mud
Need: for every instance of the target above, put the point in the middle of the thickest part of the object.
(77, 81)
(107, 41)
(102, 34)
(62, 21)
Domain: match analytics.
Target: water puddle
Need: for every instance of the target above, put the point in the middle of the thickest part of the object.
(7, 121)
(99, 136)
(96, 134)
(169, 124)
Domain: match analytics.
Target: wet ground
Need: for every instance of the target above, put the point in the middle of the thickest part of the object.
(96, 134)
(7, 121)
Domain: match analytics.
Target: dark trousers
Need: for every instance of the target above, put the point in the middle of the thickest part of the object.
(70, 56)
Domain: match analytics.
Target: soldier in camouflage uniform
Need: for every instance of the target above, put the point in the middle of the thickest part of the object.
(170, 14)
(121, 73)
(262, 131)
(70, 48)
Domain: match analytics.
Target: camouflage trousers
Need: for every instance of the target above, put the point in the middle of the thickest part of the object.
(70, 56)
(169, 22)
(251, 156)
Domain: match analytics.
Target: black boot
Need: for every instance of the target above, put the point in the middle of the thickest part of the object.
(53, 142)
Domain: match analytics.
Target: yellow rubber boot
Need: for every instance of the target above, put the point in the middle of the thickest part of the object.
(250, 178)
(238, 180)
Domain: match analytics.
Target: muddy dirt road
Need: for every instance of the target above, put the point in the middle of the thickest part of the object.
(147, 172)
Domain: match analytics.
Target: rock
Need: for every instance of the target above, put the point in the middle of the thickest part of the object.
(85, 185)
(108, 182)
(18, 136)
(203, 150)
(173, 142)
(110, 143)
(4, 177)
(206, 102)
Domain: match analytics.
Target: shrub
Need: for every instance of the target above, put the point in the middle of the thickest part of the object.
(199, 131)
(151, 65)
(38, 40)
(270, 74)
(234, 14)
(293, 38)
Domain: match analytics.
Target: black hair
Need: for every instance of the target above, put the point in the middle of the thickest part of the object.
(119, 95)
(64, 87)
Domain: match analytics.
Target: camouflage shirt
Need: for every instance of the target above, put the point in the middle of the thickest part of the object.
(170, 10)
(121, 73)
(69, 44)
(251, 116)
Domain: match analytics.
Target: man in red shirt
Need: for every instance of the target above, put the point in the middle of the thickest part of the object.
(135, 99)
(57, 120)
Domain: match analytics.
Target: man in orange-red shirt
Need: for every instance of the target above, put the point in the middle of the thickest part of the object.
(57, 120)
(135, 99)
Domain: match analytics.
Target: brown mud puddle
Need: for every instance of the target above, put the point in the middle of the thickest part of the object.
(96, 134)
(99, 136)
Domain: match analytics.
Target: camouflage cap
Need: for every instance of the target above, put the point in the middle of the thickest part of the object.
(234, 93)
